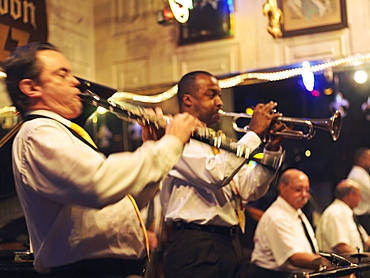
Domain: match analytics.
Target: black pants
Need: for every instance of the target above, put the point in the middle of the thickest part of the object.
(259, 272)
(196, 251)
(99, 268)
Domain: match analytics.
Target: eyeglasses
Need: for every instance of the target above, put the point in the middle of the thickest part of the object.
(300, 189)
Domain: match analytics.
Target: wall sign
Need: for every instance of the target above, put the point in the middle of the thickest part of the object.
(21, 22)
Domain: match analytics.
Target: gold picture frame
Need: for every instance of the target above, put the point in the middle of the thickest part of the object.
(303, 17)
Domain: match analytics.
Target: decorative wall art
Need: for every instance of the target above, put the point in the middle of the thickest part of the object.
(302, 17)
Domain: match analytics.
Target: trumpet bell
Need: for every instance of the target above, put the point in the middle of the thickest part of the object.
(332, 125)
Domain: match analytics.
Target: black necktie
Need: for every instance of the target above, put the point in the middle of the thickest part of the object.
(307, 235)
(359, 231)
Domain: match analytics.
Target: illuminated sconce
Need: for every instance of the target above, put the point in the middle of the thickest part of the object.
(365, 107)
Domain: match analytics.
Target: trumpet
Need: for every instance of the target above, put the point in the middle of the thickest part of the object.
(138, 114)
(332, 125)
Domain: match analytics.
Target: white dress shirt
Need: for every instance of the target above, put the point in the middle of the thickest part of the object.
(74, 198)
(336, 226)
(362, 177)
(279, 235)
(198, 188)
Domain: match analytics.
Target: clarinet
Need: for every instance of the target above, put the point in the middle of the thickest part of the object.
(138, 114)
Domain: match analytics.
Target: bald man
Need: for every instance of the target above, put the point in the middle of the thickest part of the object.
(280, 242)
(337, 230)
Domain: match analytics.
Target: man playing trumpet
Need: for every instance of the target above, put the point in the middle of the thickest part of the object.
(206, 190)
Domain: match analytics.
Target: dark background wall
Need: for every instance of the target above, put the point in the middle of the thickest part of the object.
(329, 161)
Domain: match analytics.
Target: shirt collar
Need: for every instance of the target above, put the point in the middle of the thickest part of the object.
(287, 207)
(50, 114)
(343, 204)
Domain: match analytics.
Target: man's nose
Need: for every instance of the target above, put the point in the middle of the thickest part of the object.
(218, 101)
(75, 81)
(306, 192)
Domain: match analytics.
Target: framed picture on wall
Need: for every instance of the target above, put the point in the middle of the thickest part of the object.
(303, 17)
(208, 20)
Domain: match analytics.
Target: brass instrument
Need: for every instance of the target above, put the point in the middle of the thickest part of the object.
(137, 114)
(332, 124)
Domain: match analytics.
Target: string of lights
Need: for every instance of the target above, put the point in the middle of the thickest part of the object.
(240, 78)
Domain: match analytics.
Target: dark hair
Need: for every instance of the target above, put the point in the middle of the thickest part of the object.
(187, 84)
(23, 64)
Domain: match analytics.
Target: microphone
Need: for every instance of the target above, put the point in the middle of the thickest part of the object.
(336, 259)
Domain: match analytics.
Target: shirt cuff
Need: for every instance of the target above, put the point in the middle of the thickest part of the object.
(251, 139)
(273, 159)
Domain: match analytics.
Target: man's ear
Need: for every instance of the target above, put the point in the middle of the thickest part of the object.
(187, 99)
(29, 88)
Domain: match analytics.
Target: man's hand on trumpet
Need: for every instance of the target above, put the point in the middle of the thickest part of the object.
(265, 123)
(275, 141)
(262, 118)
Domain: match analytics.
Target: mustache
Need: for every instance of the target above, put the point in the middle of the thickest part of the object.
(304, 199)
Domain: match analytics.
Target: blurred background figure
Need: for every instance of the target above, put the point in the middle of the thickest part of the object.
(360, 173)
(338, 231)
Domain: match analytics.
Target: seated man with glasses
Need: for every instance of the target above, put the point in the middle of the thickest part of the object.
(284, 241)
